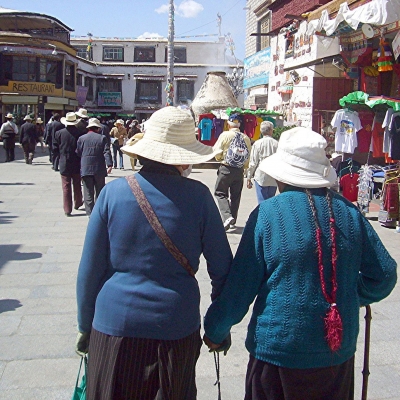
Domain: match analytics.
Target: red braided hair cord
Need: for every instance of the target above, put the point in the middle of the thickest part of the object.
(333, 321)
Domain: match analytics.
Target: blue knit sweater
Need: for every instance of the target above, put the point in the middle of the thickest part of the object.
(276, 264)
(128, 283)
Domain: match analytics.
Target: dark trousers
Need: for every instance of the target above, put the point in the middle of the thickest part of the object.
(228, 190)
(56, 161)
(9, 147)
(29, 151)
(92, 185)
(265, 381)
(126, 368)
(117, 148)
(67, 181)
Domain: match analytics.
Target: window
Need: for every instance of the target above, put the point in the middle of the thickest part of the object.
(82, 52)
(113, 54)
(109, 85)
(48, 71)
(24, 69)
(264, 26)
(69, 77)
(79, 79)
(148, 92)
(185, 91)
(89, 85)
(179, 54)
(144, 54)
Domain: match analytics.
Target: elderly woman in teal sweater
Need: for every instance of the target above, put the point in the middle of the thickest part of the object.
(310, 259)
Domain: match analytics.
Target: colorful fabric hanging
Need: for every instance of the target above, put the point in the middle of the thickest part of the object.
(385, 56)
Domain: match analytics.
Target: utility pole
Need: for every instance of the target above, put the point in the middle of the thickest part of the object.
(170, 67)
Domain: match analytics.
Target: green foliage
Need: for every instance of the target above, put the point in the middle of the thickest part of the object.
(279, 129)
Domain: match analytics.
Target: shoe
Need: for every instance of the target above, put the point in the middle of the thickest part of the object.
(77, 207)
(121, 168)
(67, 214)
(229, 223)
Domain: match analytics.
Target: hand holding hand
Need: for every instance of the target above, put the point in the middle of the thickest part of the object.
(82, 343)
(221, 347)
(249, 184)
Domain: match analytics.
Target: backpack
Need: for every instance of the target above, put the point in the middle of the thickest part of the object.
(237, 153)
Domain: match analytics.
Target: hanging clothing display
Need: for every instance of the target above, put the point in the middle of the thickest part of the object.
(377, 134)
(218, 126)
(365, 133)
(347, 124)
(389, 213)
(365, 188)
(250, 123)
(257, 132)
(205, 126)
(349, 184)
(395, 137)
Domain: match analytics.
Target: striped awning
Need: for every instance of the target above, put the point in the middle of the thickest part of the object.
(146, 77)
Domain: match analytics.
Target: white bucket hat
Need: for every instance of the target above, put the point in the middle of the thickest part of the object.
(9, 115)
(300, 160)
(119, 121)
(28, 118)
(94, 122)
(170, 139)
(69, 119)
(82, 113)
(39, 121)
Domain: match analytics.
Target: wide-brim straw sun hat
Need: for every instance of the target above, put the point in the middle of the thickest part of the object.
(300, 160)
(39, 121)
(9, 115)
(69, 119)
(28, 118)
(120, 122)
(94, 122)
(170, 139)
(82, 113)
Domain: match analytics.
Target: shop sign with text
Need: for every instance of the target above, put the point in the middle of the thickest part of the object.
(109, 99)
(37, 88)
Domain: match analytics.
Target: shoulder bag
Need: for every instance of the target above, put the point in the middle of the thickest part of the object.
(154, 222)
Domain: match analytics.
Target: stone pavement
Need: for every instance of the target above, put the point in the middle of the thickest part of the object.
(40, 250)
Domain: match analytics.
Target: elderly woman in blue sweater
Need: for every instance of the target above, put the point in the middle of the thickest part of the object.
(138, 299)
(310, 260)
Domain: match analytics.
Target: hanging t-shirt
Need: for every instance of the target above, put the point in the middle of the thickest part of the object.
(364, 134)
(257, 132)
(395, 138)
(206, 127)
(347, 124)
(377, 134)
(386, 133)
(218, 126)
(250, 123)
(349, 185)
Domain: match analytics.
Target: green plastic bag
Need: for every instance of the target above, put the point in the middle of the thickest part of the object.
(80, 389)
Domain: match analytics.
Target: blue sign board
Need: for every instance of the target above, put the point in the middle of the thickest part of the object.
(256, 68)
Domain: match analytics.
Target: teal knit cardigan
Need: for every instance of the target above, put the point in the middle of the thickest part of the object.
(276, 264)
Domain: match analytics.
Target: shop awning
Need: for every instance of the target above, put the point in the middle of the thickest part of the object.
(149, 77)
(376, 12)
(237, 110)
(364, 99)
(185, 77)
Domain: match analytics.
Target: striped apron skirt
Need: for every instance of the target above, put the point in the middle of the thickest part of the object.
(124, 368)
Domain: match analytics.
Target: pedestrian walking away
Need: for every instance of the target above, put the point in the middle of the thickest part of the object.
(261, 149)
(28, 139)
(8, 132)
(83, 120)
(118, 134)
(40, 133)
(234, 160)
(309, 259)
(54, 127)
(64, 145)
(94, 152)
(138, 298)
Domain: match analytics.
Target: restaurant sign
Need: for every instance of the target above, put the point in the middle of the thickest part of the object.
(38, 88)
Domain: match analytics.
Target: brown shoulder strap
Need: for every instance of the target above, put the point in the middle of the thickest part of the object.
(151, 216)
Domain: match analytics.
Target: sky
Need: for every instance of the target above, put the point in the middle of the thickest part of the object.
(144, 18)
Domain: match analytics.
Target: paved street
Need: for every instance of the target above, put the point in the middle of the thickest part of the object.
(40, 250)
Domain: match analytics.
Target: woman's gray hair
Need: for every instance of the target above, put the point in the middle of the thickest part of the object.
(266, 127)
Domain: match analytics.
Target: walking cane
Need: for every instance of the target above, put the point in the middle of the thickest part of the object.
(217, 382)
(365, 372)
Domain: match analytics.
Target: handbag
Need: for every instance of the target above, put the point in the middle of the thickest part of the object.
(154, 222)
(80, 389)
(113, 140)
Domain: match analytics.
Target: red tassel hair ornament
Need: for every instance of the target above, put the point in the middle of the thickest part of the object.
(333, 321)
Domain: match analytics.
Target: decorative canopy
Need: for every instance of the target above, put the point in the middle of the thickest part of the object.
(364, 99)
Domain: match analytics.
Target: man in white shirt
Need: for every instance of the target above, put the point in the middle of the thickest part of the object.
(262, 148)
(8, 131)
